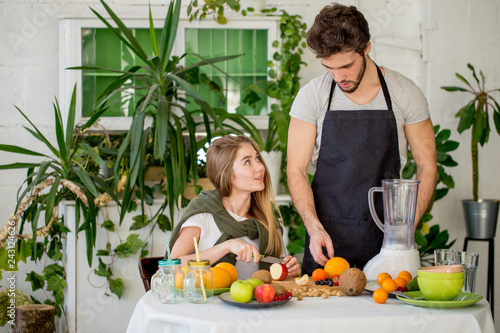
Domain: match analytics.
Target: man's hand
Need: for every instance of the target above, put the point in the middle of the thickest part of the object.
(319, 238)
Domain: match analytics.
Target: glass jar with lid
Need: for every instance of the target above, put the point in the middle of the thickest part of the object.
(198, 282)
(167, 282)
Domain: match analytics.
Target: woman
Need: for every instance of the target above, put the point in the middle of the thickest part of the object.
(235, 222)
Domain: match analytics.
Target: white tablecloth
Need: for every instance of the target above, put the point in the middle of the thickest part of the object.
(311, 315)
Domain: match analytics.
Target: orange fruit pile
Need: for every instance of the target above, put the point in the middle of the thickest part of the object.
(388, 285)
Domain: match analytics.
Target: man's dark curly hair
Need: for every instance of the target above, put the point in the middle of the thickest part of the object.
(338, 28)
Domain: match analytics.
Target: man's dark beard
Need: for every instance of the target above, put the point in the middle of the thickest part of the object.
(358, 79)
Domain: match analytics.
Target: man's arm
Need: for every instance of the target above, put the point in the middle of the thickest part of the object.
(301, 139)
(422, 143)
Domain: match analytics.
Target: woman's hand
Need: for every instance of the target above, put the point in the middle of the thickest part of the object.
(293, 266)
(244, 251)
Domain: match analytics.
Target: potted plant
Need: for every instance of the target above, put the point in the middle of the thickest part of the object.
(59, 174)
(480, 214)
(164, 85)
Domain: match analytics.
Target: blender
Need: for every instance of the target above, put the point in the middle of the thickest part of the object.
(398, 252)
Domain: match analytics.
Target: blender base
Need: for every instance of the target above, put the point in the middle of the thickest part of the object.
(392, 262)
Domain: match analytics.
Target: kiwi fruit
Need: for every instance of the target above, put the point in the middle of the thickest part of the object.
(263, 275)
(278, 288)
(352, 281)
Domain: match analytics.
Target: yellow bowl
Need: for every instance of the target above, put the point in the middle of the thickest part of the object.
(440, 290)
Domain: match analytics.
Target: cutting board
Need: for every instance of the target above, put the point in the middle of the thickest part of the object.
(289, 284)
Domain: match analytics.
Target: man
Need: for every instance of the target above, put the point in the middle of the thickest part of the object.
(354, 124)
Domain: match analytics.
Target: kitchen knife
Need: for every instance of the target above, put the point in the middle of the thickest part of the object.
(269, 259)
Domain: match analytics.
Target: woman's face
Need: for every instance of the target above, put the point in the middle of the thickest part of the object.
(248, 171)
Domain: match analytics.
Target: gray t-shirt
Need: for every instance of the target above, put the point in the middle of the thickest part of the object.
(408, 103)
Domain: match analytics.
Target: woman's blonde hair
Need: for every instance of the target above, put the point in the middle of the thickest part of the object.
(220, 159)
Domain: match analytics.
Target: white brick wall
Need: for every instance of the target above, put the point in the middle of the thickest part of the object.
(467, 31)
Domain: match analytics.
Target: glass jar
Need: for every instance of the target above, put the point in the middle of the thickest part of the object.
(198, 282)
(167, 282)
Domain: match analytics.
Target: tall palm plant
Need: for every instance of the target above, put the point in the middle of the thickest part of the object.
(162, 90)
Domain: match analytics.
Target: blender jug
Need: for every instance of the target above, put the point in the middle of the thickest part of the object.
(398, 250)
(400, 204)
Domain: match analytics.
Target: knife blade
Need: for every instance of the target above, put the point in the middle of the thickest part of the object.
(269, 259)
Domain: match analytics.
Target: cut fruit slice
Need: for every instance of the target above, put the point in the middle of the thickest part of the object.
(278, 271)
(302, 281)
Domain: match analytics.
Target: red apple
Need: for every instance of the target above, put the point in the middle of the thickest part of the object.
(264, 293)
(278, 271)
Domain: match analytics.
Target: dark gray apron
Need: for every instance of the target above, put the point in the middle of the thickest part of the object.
(358, 149)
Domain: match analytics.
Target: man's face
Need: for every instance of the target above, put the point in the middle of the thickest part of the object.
(347, 69)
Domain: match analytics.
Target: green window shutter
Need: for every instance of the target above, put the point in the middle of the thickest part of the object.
(244, 92)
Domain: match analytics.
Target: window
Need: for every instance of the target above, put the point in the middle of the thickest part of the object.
(87, 42)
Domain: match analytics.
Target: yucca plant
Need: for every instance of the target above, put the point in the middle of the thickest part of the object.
(475, 115)
(162, 89)
(64, 173)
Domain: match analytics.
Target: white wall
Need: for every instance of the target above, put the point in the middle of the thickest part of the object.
(465, 31)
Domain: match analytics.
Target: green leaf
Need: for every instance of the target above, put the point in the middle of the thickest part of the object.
(131, 246)
(102, 270)
(93, 154)
(140, 221)
(448, 146)
(37, 281)
(461, 78)
(439, 240)
(20, 150)
(116, 287)
(102, 253)
(420, 239)
(86, 180)
(52, 270)
(56, 284)
(108, 225)
(164, 223)
(70, 120)
(466, 117)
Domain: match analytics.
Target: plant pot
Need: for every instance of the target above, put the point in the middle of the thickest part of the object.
(273, 161)
(481, 217)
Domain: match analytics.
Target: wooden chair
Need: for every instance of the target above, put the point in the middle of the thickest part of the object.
(147, 267)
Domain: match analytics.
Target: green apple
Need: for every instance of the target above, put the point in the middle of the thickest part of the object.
(254, 283)
(241, 291)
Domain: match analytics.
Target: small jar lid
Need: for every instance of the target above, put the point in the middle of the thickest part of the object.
(203, 262)
(169, 262)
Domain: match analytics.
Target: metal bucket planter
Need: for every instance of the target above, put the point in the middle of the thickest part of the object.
(481, 217)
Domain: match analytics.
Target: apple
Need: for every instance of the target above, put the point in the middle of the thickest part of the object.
(264, 293)
(254, 283)
(278, 271)
(241, 291)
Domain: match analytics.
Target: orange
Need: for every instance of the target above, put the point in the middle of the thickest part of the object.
(400, 282)
(389, 285)
(336, 266)
(382, 276)
(405, 275)
(380, 296)
(319, 274)
(222, 279)
(233, 273)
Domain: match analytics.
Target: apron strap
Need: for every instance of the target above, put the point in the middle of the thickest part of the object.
(385, 90)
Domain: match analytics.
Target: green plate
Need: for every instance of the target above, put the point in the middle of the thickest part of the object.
(463, 299)
(218, 291)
